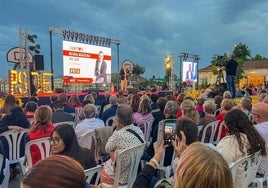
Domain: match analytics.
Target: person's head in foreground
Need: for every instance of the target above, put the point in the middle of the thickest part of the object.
(57, 172)
(200, 166)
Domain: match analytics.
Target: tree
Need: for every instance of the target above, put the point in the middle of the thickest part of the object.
(137, 71)
(241, 51)
(258, 57)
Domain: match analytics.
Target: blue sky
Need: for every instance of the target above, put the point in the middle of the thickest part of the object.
(148, 29)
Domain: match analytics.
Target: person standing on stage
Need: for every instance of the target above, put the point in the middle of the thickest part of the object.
(100, 69)
(124, 77)
(231, 67)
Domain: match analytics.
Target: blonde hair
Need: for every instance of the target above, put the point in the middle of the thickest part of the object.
(227, 104)
(90, 98)
(209, 106)
(74, 99)
(188, 110)
(201, 166)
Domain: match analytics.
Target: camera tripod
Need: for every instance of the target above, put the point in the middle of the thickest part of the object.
(220, 85)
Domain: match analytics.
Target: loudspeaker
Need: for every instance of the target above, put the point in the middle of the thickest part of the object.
(39, 62)
(132, 90)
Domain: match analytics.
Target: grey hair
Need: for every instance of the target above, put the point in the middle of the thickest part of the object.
(124, 114)
(171, 108)
(90, 111)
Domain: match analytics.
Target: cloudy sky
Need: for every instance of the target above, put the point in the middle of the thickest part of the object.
(147, 29)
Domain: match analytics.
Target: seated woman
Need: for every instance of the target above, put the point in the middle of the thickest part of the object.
(64, 142)
(209, 108)
(188, 110)
(124, 137)
(56, 171)
(41, 128)
(242, 139)
(144, 112)
(16, 117)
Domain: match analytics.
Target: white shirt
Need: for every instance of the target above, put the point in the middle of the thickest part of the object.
(87, 125)
(262, 128)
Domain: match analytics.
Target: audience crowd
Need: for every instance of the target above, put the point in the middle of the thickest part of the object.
(73, 148)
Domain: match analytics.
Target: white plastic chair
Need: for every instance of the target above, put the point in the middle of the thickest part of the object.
(250, 165)
(110, 119)
(135, 154)
(5, 182)
(261, 180)
(91, 172)
(43, 145)
(155, 110)
(78, 112)
(87, 139)
(98, 110)
(72, 123)
(147, 125)
(14, 140)
(160, 136)
(221, 125)
(212, 127)
(216, 112)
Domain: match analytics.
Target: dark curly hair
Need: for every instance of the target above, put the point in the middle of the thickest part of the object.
(237, 122)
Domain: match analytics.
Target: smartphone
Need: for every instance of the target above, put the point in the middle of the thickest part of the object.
(169, 133)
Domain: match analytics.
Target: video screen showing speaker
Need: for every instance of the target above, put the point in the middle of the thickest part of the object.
(39, 62)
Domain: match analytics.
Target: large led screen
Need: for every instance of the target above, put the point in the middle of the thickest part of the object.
(189, 71)
(85, 63)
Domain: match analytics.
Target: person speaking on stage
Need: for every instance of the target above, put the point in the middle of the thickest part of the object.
(231, 68)
(100, 69)
(124, 77)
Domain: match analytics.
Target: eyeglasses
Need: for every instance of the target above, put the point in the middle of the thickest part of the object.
(54, 140)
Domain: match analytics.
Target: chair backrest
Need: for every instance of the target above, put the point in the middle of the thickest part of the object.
(219, 127)
(135, 155)
(208, 132)
(249, 164)
(88, 140)
(14, 140)
(155, 110)
(43, 145)
(102, 135)
(146, 126)
(256, 161)
(250, 117)
(78, 112)
(109, 121)
(98, 110)
(72, 123)
(216, 112)
(90, 173)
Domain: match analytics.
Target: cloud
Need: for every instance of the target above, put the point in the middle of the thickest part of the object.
(147, 30)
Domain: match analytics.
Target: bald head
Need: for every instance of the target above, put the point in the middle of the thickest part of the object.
(260, 112)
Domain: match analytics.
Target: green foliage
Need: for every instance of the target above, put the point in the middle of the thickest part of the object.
(241, 51)
(138, 70)
(258, 57)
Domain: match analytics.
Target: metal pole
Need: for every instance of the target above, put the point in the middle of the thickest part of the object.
(118, 62)
(51, 62)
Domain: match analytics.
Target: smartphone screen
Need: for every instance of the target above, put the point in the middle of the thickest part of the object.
(169, 133)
